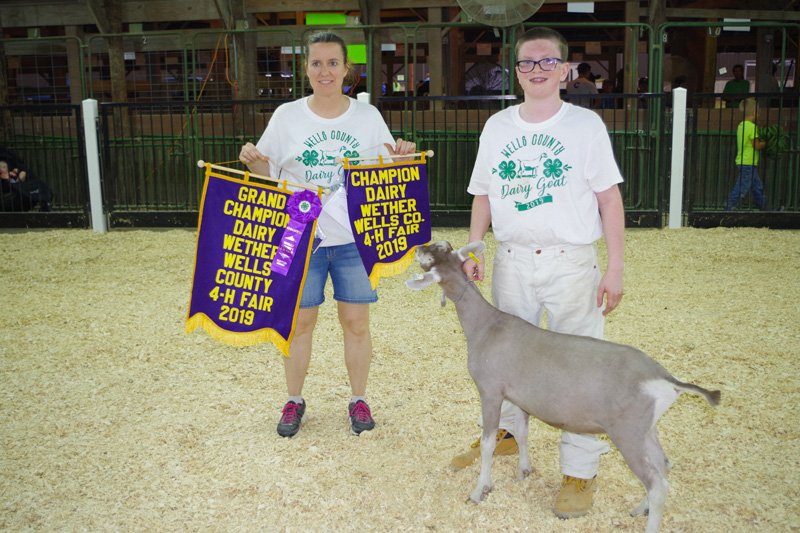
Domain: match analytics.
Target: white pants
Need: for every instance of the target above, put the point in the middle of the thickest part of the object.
(563, 281)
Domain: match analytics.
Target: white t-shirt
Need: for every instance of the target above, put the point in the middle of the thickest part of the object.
(306, 145)
(541, 178)
(581, 86)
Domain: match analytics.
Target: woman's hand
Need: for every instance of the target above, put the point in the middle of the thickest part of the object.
(401, 148)
(250, 154)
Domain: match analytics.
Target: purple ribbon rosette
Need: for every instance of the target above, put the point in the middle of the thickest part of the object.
(303, 207)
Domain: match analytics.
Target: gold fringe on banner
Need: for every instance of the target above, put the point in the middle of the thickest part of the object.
(251, 338)
(391, 269)
(201, 320)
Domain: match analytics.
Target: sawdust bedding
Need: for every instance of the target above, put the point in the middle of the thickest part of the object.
(113, 419)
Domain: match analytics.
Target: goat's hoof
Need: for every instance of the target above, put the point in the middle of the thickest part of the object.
(639, 511)
(479, 494)
(522, 474)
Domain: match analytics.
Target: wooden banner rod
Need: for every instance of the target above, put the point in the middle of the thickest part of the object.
(247, 174)
(338, 160)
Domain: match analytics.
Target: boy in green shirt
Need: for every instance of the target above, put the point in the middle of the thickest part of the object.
(748, 144)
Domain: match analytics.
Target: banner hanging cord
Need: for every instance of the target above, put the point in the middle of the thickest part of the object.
(247, 174)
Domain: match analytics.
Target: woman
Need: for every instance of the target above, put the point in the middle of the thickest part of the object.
(303, 139)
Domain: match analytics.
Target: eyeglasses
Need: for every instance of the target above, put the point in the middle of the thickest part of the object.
(548, 63)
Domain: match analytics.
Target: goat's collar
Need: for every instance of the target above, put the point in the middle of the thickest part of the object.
(461, 295)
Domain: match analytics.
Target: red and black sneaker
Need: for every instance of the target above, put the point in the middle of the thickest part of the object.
(360, 418)
(293, 415)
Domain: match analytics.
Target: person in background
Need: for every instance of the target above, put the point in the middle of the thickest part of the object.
(583, 84)
(737, 85)
(547, 216)
(771, 85)
(642, 88)
(20, 189)
(297, 139)
(748, 146)
(11, 175)
(608, 88)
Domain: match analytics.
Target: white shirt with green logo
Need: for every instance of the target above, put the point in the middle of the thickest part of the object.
(541, 178)
(307, 145)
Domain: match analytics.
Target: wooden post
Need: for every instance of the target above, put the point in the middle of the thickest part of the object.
(435, 55)
(74, 63)
(710, 65)
(6, 115)
(631, 50)
(765, 51)
(371, 15)
(456, 53)
(246, 69)
(116, 52)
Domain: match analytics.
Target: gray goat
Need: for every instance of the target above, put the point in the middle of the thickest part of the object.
(578, 384)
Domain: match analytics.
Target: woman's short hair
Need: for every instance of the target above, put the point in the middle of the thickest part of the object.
(327, 37)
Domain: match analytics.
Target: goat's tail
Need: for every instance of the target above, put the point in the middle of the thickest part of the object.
(712, 396)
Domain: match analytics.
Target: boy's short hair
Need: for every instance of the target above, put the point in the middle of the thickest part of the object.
(534, 34)
(748, 106)
(584, 68)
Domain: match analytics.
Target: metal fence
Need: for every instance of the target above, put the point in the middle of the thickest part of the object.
(451, 127)
(48, 141)
(149, 153)
(711, 169)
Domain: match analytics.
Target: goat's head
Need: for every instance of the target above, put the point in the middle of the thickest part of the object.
(439, 261)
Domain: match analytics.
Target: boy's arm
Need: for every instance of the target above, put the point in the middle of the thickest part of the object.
(479, 223)
(612, 215)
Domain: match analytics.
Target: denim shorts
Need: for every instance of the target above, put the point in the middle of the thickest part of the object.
(350, 281)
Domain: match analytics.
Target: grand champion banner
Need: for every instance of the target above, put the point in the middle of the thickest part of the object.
(390, 214)
(253, 247)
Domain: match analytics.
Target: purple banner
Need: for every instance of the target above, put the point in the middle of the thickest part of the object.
(236, 296)
(389, 210)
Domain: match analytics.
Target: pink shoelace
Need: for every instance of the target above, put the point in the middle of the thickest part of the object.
(289, 413)
(361, 412)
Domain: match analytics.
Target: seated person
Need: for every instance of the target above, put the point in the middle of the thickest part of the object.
(19, 189)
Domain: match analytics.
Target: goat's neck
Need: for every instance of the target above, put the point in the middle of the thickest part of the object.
(467, 298)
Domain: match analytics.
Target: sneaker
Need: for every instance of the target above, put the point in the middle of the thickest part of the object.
(293, 415)
(360, 418)
(575, 497)
(506, 445)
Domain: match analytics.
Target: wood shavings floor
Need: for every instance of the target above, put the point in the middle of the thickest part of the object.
(113, 419)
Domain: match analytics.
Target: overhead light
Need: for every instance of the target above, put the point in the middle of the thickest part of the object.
(736, 28)
(580, 7)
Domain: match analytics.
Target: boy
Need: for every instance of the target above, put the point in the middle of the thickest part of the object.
(748, 146)
(545, 178)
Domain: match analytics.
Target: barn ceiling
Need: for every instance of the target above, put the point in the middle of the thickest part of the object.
(44, 13)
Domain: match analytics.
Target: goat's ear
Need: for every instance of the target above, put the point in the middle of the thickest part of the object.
(473, 247)
(423, 280)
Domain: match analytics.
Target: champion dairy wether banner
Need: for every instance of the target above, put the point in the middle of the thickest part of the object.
(390, 214)
(253, 247)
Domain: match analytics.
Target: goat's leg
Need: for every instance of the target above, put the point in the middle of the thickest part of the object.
(657, 494)
(645, 457)
(490, 410)
(521, 424)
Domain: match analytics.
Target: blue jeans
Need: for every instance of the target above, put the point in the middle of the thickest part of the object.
(350, 281)
(748, 180)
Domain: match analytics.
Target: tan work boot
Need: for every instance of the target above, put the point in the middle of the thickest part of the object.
(506, 445)
(575, 497)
